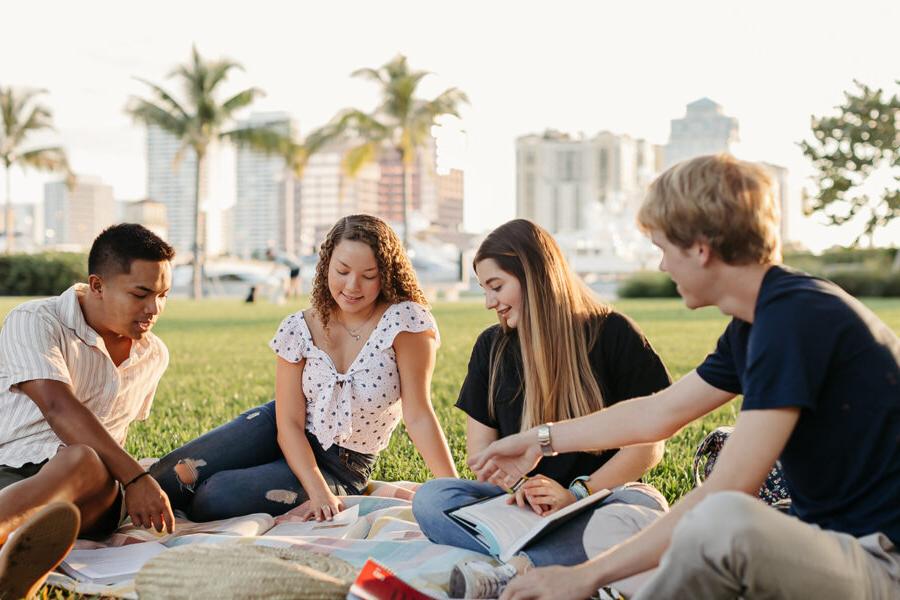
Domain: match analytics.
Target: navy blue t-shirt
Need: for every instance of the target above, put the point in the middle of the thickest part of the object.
(813, 346)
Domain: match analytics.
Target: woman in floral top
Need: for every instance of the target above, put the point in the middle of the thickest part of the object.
(347, 370)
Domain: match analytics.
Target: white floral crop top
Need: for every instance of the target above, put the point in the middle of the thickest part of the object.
(358, 409)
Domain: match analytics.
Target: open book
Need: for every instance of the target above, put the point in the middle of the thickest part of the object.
(505, 529)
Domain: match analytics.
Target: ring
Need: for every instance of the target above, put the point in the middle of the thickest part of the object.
(517, 485)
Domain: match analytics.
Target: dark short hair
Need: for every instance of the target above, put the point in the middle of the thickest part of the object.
(119, 245)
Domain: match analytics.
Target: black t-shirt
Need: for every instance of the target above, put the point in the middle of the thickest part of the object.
(814, 347)
(624, 363)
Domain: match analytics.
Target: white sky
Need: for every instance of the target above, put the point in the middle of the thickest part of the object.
(574, 66)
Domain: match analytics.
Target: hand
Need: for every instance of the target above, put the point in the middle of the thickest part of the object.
(507, 460)
(551, 583)
(148, 505)
(321, 506)
(544, 495)
(301, 512)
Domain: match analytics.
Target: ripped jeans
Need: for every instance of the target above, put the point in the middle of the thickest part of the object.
(238, 469)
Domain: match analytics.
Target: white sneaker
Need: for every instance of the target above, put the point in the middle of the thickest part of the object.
(35, 548)
(478, 579)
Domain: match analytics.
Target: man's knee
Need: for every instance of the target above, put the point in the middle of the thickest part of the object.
(82, 465)
(722, 523)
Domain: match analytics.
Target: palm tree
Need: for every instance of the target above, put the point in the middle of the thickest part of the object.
(23, 115)
(401, 123)
(199, 121)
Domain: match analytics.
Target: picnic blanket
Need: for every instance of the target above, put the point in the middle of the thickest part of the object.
(379, 526)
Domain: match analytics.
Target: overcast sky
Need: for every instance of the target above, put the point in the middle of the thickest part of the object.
(527, 66)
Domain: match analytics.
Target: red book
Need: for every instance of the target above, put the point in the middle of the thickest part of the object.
(377, 582)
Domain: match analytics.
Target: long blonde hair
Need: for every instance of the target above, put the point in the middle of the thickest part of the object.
(559, 324)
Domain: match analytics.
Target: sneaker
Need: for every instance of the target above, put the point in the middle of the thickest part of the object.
(35, 548)
(478, 579)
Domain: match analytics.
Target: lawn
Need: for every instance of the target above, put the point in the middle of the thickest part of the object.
(221, 364)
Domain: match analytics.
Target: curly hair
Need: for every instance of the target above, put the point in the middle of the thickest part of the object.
(398, 279)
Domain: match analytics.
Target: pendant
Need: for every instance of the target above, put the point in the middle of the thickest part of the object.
(356, 337)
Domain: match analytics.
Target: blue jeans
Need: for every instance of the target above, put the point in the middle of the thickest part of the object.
(239, 469)
(561, 546)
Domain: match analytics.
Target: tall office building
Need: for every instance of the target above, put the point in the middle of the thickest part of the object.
(74, 217)
(265, 208)
(28, 226)
(705, 129)
(586, 191)
(562, 180)
(423, 181)
(326, 193)
(450, 201)
(149, 213)
(172, 183)
(786, 208)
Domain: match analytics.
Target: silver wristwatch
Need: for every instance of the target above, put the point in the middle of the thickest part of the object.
(544, 440)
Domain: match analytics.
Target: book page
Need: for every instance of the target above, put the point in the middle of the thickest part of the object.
(109, 565)
(336, 528)
(507, 528)
(499, 522)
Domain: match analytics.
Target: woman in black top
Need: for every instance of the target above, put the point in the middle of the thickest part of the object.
(557, 353)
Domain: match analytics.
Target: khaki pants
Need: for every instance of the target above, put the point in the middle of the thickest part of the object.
(733, 546)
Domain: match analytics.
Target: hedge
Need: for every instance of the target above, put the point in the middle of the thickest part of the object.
(856, 282)
(44, 274)
(648, 284)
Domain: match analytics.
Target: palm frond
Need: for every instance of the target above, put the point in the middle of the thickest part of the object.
(148, 113)
(352, 122)
(359, 156)
(51, 158)
(261, 138)
(370, 74)
(240, 100)
(446, 103)
(217, 71)
(173, 104)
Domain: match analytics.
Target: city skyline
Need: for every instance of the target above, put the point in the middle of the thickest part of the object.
(629, 70)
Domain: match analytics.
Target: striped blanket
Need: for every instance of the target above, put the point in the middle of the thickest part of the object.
(379, 526)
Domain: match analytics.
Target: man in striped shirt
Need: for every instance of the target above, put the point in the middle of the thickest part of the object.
(75, 371)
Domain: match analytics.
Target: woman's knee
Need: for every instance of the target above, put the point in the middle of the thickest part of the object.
(431, 497)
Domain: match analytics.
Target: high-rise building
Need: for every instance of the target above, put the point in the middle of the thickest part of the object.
(265, 203)
(561, 180)
(586, 191)
(786, 208)
(149, 213)
(450, 201)
(423, 182)
(28, 225)
(327, 193)
(171, 182)
(74, 217)
(705, 129)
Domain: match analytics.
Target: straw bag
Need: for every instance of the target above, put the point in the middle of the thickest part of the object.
(229, 570)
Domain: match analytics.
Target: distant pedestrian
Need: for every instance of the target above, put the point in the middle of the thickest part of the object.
(295, 283)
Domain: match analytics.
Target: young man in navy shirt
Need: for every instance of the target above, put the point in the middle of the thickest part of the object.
(821, 383)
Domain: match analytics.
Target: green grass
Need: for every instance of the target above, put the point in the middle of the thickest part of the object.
(221, 364)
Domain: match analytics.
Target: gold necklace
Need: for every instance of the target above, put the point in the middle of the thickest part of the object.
(355, 333)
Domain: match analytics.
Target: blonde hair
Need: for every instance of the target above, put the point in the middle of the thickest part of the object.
(559, 324)
(398, 279)
(728, 203)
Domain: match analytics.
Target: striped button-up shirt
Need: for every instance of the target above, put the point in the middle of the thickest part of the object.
(49, 339)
